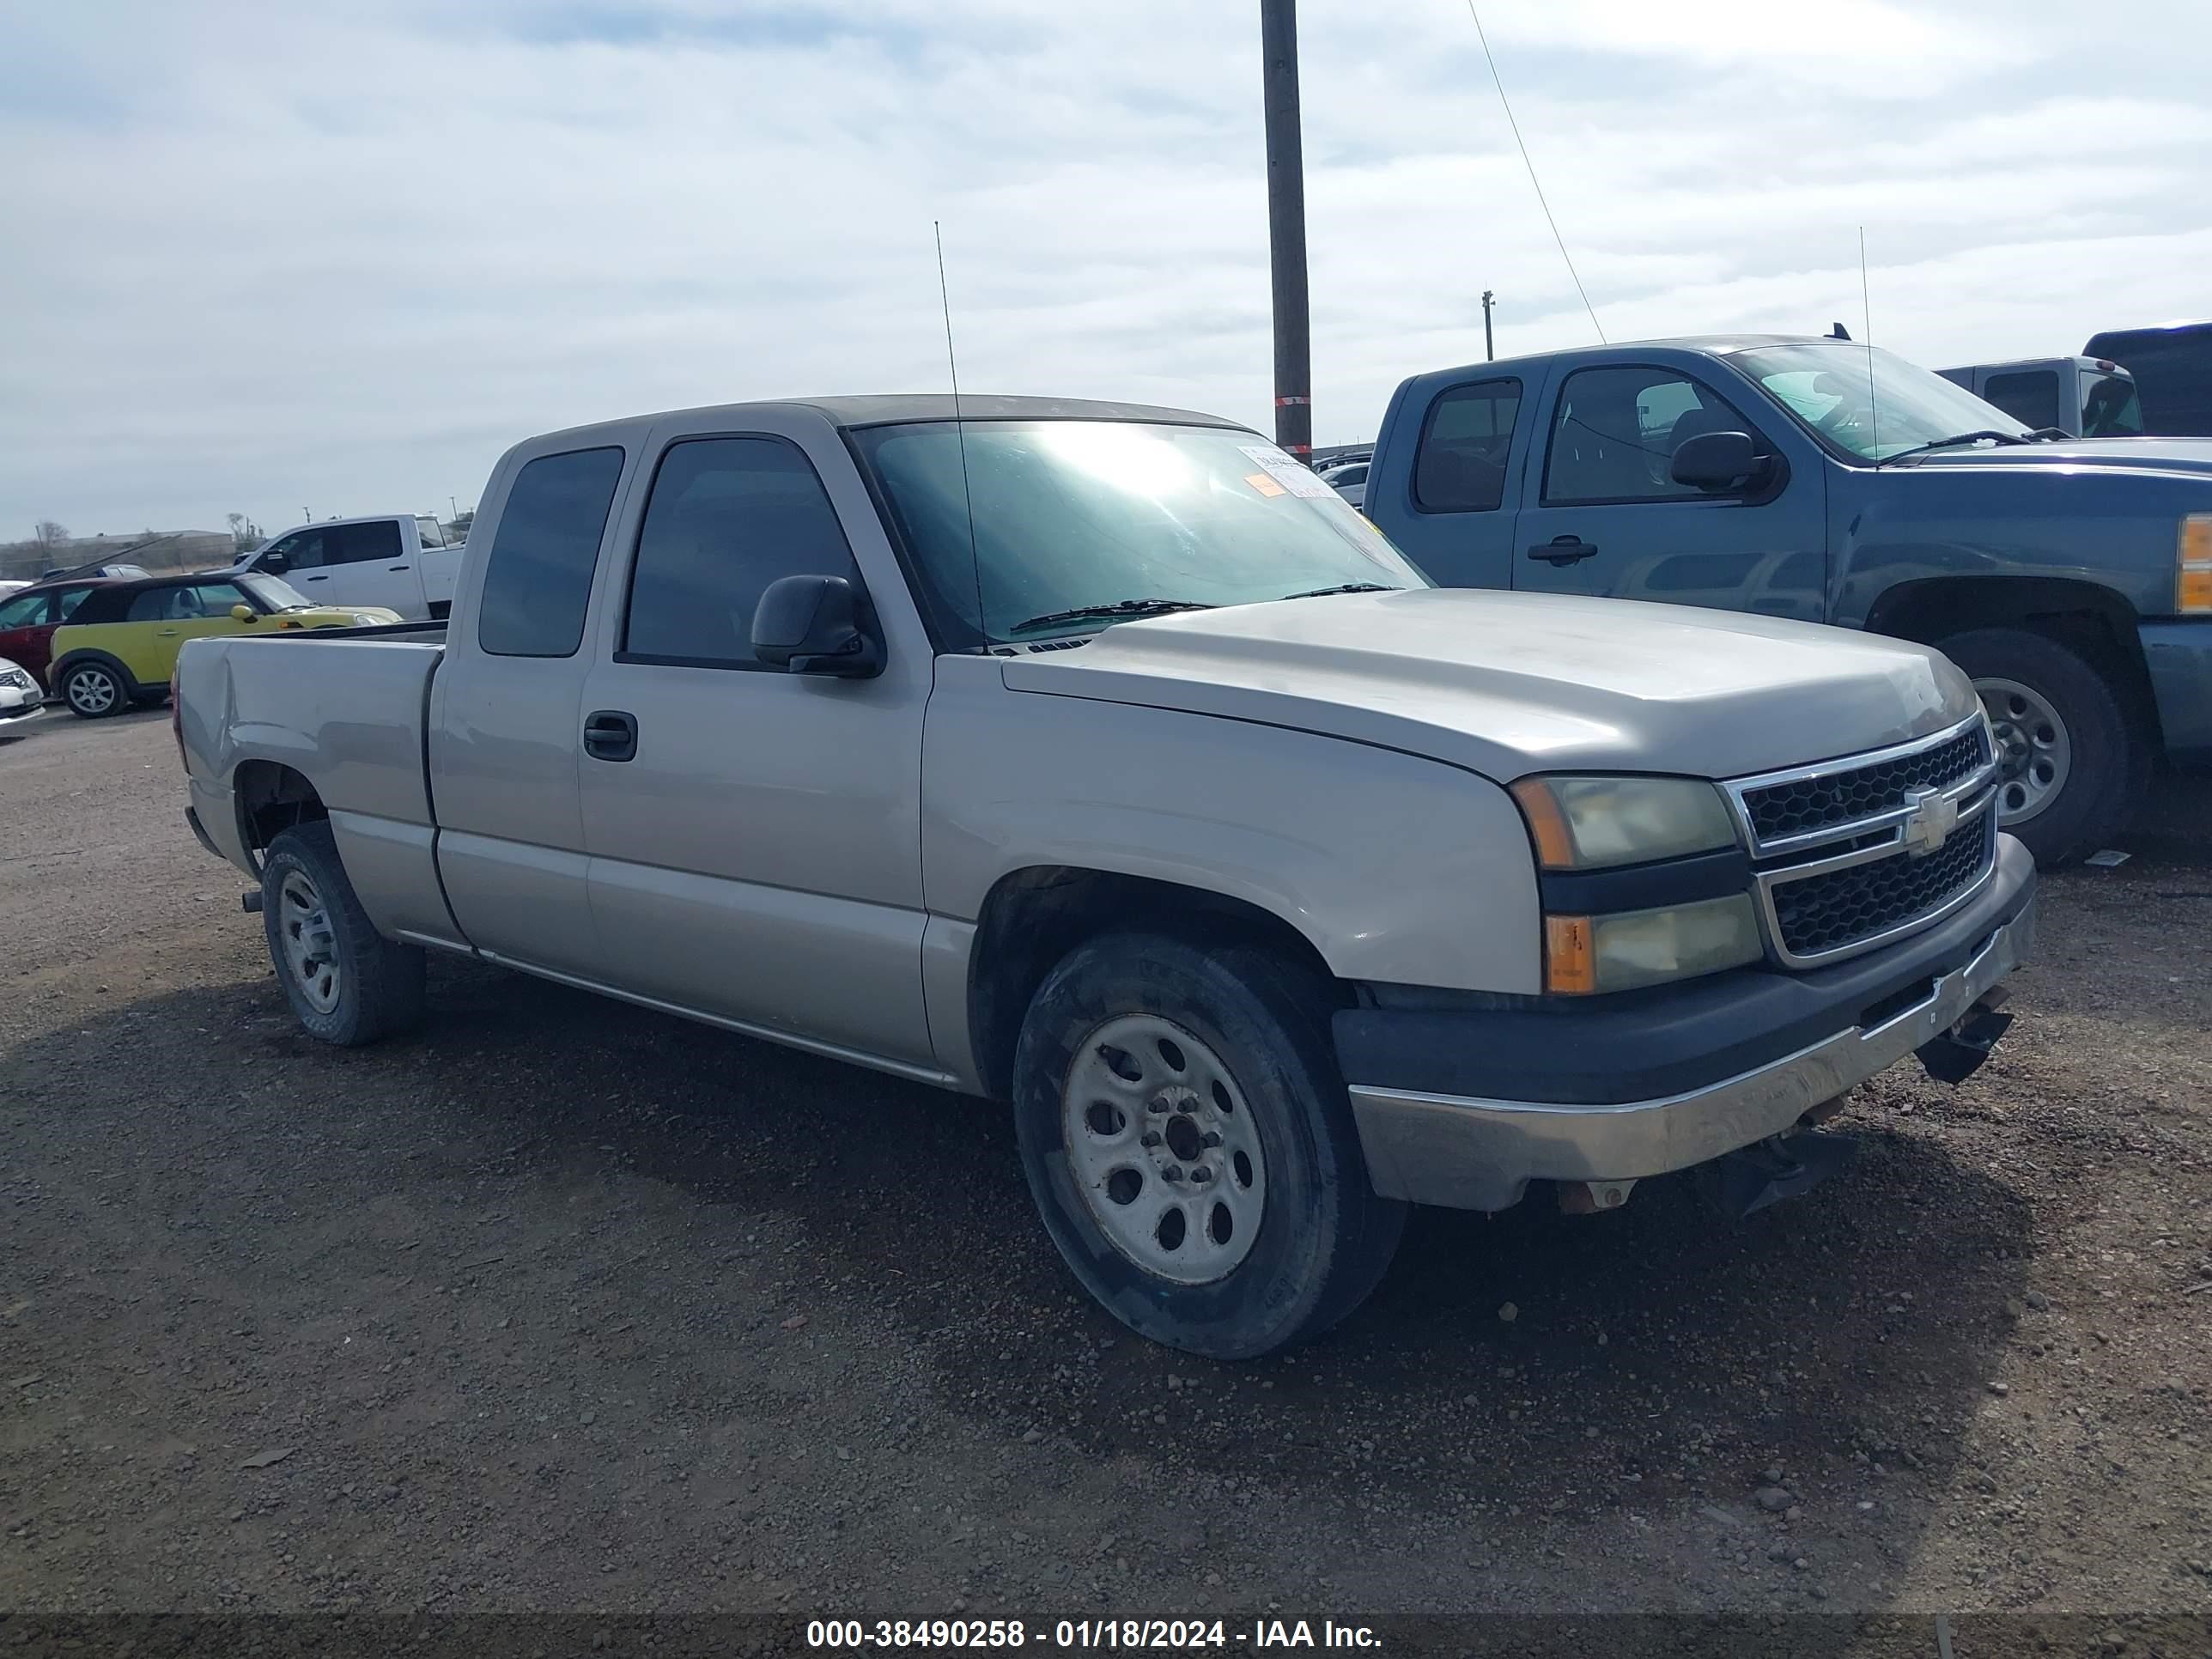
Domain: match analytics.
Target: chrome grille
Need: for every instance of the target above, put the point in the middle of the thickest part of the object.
(1851, 853)
(1822, 800)
(1821, 916)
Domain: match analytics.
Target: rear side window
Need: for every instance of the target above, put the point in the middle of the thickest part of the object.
(2029, 396)
(1460, 465)
(726, 517)
(538, 577)
(358, 543)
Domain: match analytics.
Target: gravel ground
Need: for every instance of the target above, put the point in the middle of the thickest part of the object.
(559, 1305)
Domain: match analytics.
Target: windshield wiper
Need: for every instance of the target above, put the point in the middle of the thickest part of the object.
(1345, 587)
(1119, 608)
(1962, 438)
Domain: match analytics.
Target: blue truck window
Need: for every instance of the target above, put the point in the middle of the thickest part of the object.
(1615, 430)
(1460, 465)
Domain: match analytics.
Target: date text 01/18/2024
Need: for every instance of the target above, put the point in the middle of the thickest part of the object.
(1117, 1634)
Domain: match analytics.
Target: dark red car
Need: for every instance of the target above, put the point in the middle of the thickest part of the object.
(28, 618)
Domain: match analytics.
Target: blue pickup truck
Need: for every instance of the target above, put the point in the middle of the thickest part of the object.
(1828, 481)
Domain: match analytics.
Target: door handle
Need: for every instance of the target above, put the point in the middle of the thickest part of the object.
(398, 568)
(611, 735)
(1562, 550)
(166, 632)
(317, 579)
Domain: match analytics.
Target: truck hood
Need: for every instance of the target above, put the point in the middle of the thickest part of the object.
(2192, 455)
(1511, 684)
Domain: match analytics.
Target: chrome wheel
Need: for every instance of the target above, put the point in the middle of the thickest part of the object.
(310, 951)
(1163, 1149)
(93, 691)
(2035, 755)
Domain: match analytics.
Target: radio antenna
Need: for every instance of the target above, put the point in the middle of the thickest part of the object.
(1866, 327)
(960, 429)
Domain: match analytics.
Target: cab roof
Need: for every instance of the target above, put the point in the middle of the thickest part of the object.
(894, 408)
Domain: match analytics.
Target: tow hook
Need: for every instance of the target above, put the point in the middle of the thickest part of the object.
(250, 901)
(1958, 1053)
(1744, 1182)
(1593, 1197)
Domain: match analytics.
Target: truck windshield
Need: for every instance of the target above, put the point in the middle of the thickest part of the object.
(2110, 407)
(1077, 523)
(1866, 403)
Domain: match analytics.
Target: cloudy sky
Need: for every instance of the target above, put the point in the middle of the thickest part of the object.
(273, 258)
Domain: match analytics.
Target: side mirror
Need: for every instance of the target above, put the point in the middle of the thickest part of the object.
(812, 625)
(245, 613)
(1719, 460)
(275, 563)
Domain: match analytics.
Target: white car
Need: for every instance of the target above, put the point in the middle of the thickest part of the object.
(21, 700)
(1349, 481)
(400, 561)
(6, 588)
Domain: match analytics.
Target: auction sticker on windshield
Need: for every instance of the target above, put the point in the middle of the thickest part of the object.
(1293, 475)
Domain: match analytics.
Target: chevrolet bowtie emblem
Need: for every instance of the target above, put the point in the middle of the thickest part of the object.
(1929, 821)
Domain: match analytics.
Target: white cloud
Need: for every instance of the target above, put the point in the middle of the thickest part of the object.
(264, 258)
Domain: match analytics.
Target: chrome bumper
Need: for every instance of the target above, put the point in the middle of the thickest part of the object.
(1465, 1152)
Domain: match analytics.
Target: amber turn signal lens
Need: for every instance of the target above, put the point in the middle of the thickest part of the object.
(2193, 582)
(1570, 956)
(1547, 825)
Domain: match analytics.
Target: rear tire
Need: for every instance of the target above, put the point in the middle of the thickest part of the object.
(347, 982)
(1228, 1073)
(93, 692)
(2073, 769)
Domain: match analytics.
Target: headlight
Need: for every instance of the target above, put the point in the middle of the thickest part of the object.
(2192, 581)
(360, 621)
(1585, 824)
(1587, 954)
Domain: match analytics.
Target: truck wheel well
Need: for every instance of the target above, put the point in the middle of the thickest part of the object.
(1032, 918)
(272, 798)
(2090, 619)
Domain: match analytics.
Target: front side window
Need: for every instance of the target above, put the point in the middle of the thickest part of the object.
(302, 549)
(1614, 432)
(359, 543)
(2030, 395)
(25, 611)
(186, 602)
(1866, 404)
(1460, 465)
(538, 574)
(726, 517)
(1023, 530)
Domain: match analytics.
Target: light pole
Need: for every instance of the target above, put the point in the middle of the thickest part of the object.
(1287, 228)
(1489, 351)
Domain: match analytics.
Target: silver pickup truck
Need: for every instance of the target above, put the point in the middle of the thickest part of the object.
(1099, 758)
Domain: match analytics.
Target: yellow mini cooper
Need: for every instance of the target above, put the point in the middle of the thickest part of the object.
(120, 646)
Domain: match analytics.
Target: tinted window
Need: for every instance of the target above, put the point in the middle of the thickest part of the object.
(71, 597)
(25, 609)
(2173, 374)
(1615, 431)
(1460, 467)
(193, 602)
(357, 544)
(726, 517)
(2029, 396)
(2110, 408)
(302, 549)
(538, 577)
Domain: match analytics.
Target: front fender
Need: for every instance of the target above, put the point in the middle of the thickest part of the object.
(1394, 866)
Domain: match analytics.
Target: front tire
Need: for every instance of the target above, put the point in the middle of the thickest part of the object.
(93, 692)
(1189, 1146)
(347, 984)
(2073, 769)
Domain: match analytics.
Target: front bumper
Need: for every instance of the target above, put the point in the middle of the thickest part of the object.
(2179, 653)
(1480, 1150)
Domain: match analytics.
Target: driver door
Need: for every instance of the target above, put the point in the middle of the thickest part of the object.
(1606, 518)
(173, 615)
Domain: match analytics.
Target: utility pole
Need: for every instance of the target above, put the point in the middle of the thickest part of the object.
(1489, 351)
(454, 502)
(1287, 228)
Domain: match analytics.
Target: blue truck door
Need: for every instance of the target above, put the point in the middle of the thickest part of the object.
(1447, 491)
(1602, 515)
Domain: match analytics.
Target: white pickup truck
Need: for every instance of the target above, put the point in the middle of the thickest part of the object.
(396, 562)
(1101, 759)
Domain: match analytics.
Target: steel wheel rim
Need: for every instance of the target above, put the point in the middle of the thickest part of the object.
(1163, 1149)
(303, 927)
(93, 691)
(2035, 750)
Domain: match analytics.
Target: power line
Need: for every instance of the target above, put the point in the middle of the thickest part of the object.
(1508, 103)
